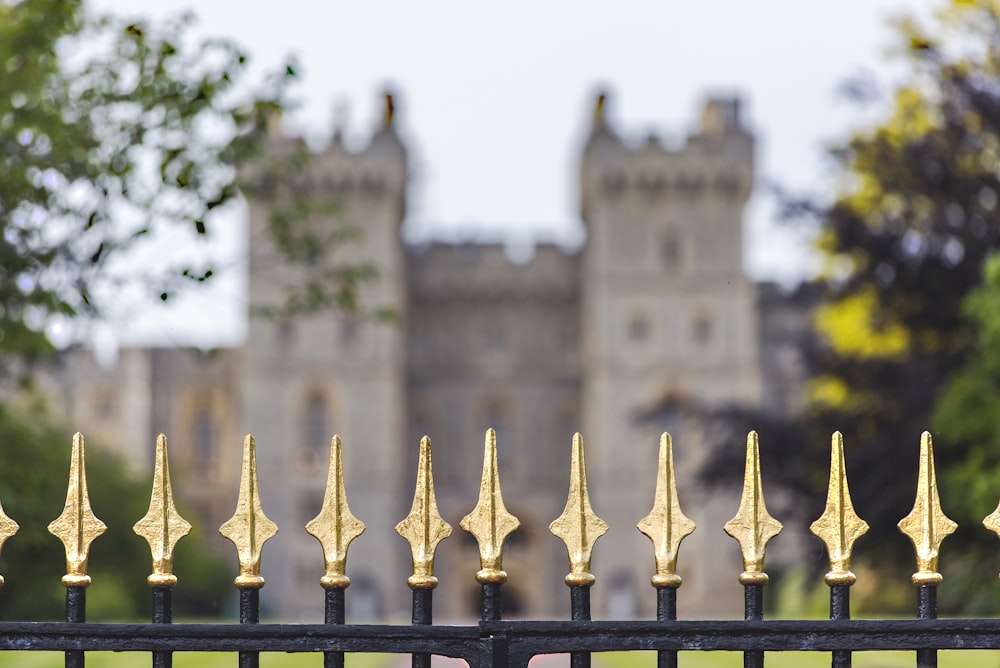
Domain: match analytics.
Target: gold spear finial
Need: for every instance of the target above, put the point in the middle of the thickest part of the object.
(578, 526)
(992, 521)
(162, 526)
(665, 524)
(423, 528)
(839, 526)
(77, 527)
(753, 527)
(489, 521)
(335, 527)
(927, 525)
(249, 528)
(8, 528)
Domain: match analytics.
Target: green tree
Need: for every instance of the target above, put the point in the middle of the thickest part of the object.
(903, 244)
(33, 561)
(112, 132)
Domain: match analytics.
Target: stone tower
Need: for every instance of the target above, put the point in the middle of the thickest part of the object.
(669, 320)
(308, 377)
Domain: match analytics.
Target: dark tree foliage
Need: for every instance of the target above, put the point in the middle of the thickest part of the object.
(33, 561)
(117, 132)
(904, 244)
(112, 133)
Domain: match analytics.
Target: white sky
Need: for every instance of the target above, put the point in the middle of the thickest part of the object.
(493, 99)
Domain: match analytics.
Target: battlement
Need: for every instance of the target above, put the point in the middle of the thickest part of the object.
(715, 162)
(374, 170)
(485, 271)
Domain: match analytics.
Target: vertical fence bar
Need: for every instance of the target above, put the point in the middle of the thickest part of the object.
(491, 524)
(666, 611)
(666, 525)
(423, 613)
(491, 607)
(840, 608)
(162, 527)
(423, 529)
(162, 614)
(579, 528)
(77, 527)
(927, 609)
(579, 612)
(838, 527)
(753, 610)
(76, 613)
(335, 528)
(334, 613)
(248, 529)
(926, 526)
(753, 528)
(249, 614)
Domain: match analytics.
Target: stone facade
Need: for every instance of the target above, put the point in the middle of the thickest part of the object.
(653, 311)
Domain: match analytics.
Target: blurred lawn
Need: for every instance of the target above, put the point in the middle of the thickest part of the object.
(187, 660)
(949, 659)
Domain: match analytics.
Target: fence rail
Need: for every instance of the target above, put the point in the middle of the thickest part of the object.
(494, 642)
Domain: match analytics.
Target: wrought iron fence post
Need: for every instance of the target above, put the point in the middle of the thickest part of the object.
(666, 611)
(423, 528)
(76, 612)
(666, 525)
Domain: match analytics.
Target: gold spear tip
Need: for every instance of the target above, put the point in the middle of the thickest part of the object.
(424, 527)
(8, 528)
(490, 522)
(578, 526)
(249, 528)
(77, 527)
(839, 525)
(927, 525)
(753, 527)
(335, 527)
(162, 526)
(666, 525)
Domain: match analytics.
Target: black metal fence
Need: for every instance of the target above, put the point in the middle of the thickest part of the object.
(493, 642)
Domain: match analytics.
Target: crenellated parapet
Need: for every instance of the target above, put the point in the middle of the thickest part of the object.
(715, 163)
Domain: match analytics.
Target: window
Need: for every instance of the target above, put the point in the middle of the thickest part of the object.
(703, 327)
(670, 250)
(349, 331)
(204, 443)
(638, 328)
(315, 434)
(106, 405)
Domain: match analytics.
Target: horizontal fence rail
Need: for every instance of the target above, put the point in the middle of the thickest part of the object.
(494, 642)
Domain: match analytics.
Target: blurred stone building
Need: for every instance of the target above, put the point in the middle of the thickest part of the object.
(652, 315)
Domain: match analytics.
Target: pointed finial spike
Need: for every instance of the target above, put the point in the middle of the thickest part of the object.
(753, 527)
(665, 525)
(8, 528)
(489, 521)
(249, 528)
(77, 527)
(927, 525)
(578, 526)
(162, 525)
(992, 521)
(839, 526)
(335, 527)
(423, 528)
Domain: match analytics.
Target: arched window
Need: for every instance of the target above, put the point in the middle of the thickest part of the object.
(203, 439)
(315, 436)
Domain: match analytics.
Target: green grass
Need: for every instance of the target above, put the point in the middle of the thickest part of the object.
(186, 660)
(946, 659)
